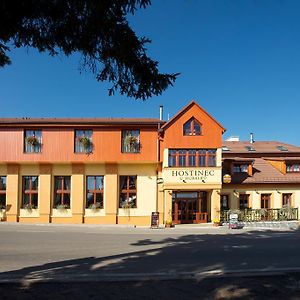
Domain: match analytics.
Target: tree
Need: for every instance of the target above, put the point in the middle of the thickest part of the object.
(98, 29)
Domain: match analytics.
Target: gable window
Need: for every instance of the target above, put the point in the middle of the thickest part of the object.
(291, 168)
(128, 192)
(244, 201)
(192, 127)
(94, 192)
(62, 189)
(240, 168)
(224, 202)
(32, 141)
(83, 141)
(287, 199)
(2, 192)
(30, 192)
(192, 157)
(130, 141)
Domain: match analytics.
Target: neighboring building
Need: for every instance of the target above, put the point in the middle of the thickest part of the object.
(264, 174)
(119, 171)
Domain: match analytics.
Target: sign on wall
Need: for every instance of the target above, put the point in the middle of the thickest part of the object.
(192, 175)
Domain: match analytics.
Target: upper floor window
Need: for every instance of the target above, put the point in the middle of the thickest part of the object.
(192, 127)
(83, 141)
(192, 157)
(2, 192)
(62, 190)
(128, 192)
(240, 168)
(94, 192)
(130, 141)
(30, 192)
(293, 168)
(32, 141)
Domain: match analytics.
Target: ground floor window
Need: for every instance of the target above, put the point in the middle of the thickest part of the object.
(2, 192)
(62, 190)
(224, 202)
(94, 192)
(287, 199)
(128, 191)
(244, 201)
(265, 200)
(30, 192)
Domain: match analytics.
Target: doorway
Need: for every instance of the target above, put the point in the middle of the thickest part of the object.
(189, 207)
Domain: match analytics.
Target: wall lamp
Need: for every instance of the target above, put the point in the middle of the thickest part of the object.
(278, 191)
(256, 192)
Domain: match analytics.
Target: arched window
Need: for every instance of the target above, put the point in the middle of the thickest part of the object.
(192, 127)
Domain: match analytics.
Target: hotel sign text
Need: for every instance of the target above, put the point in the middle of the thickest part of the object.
(193, 174)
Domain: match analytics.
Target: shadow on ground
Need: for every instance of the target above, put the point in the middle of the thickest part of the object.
(88, 278)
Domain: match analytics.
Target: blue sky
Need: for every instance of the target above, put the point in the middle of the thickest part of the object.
(239, 59)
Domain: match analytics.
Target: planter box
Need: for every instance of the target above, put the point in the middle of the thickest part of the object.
(29, 213)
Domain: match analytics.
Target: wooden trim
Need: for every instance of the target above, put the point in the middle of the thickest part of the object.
(78, 169)
(111, 168)
(13, 169)
(45, 169)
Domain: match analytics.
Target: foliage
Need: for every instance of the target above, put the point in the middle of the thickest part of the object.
(29, 207)
(63, 206)
(95, 206)
(32, 140)
(85, 141)
(98, 30)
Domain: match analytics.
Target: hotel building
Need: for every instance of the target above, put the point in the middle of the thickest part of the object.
(119, 171)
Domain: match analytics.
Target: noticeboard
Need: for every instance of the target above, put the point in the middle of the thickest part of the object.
(154, 219)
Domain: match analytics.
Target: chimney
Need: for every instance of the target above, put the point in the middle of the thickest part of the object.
(251, 138)
(161, 112)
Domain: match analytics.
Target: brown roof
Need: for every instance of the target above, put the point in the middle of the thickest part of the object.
(7, 122)
(264, 172)
(260, 147)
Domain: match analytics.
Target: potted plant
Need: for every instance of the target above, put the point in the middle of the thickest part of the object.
(85, 142)
(131, 142)
(169, 223)
(29, 207)
(216, 222)
(31, 140)
(62, 207)
(95, 206)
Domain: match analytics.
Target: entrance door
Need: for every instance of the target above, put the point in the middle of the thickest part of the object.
(189, 207)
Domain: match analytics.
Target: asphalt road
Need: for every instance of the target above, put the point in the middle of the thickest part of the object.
(85, 252)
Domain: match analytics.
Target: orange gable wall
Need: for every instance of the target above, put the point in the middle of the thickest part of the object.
(211, 131)
(58, 146)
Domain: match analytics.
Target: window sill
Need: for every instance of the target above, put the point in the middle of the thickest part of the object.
(94, 212)
(29, 213)
(61, 212)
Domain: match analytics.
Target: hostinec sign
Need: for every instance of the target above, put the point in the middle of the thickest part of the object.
(192, 174)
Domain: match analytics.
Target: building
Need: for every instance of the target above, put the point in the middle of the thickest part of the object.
(119, 171)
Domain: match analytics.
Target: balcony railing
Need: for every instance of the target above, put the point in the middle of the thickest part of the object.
(263, 214)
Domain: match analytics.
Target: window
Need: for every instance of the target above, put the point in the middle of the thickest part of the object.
(240, 168)
(2, 192)
(224, 202)
(83, 141)
(192, 158)
(94, 192)
(244, 201)
(62, 187)
(287, 199)
(32, 141)
(192, 127)
(127, 192)
(293, 168)
(282, 148)
(265, 200)
(30, 191)
(130, 141)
